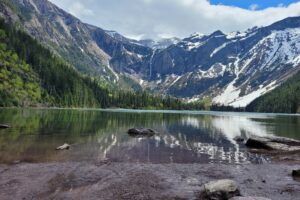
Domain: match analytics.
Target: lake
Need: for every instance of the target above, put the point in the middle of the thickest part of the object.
(96, 135)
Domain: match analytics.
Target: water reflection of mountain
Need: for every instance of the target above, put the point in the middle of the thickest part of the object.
(98, 135)
(191, 139)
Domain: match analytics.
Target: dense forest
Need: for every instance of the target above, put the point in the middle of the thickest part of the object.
(284, 99)
(30, 75)
(223, 108)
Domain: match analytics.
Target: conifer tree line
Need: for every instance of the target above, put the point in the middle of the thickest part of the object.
(32, 75)
(284, 99)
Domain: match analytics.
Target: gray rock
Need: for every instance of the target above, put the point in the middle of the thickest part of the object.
(273, 143)
(220, 190)
(143, 132)
(4, 126)
(249, 198)
(63, 147)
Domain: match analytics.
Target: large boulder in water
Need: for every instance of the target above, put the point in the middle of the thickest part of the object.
(273, 143)
(220, 190)
(142, 132)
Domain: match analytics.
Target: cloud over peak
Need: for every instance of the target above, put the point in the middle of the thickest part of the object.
(180, 18)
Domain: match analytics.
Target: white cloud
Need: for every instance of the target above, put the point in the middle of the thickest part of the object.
(80, 10)
(180, 18)
(254, 7)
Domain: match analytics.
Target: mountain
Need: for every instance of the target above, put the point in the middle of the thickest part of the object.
(90, 49)
(229, 69)
(233, 69)
(31, 75)
(159, 44)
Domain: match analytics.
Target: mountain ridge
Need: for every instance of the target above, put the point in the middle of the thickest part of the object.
(208, 65)
(230, 69)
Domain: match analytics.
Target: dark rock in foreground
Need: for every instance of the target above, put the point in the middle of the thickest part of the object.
(220, 190)
(143, 132)
(4, 126)
(273, 143)
(296, 173)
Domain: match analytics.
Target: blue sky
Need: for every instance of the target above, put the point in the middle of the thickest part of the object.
(261, 4)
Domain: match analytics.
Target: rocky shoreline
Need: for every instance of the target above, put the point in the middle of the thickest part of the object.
(112, 180)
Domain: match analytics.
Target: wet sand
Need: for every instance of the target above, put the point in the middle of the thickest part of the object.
(113, 180)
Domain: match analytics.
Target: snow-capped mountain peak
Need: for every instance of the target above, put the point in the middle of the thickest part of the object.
(233, 69)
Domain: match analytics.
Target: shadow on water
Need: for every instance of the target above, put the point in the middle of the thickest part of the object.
(97, 135)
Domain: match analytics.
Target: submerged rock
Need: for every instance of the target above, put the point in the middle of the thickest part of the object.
(296, 173)
(4, 126)
(63, 147)
(239, 139)
(143, 132)
(249, 198)
(220, 190)
(273, 143)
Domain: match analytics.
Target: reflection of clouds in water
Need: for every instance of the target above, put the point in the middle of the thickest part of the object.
(191, 121)
(217, 153)
(230, 126)
(237, 125)
(220, 146)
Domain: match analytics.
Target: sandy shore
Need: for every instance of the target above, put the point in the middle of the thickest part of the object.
(110, 180)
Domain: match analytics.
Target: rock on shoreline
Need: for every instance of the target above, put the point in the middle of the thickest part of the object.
(219, 190)
(273, 143)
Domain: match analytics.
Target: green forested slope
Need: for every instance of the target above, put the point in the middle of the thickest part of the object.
(55, 82)
(31, 75)
(284, 99)
(19, 85)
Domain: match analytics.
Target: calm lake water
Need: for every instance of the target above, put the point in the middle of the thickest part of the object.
(95, 135)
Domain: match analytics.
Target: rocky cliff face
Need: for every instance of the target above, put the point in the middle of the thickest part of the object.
(232, 69)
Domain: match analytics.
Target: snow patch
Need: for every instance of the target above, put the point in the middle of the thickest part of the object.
(113, 71)
(247, 99)
(215, 71)
(235, 34)
(219, 49)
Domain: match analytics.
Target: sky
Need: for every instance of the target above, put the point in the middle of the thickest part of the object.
(250, 4)
(143, 19)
